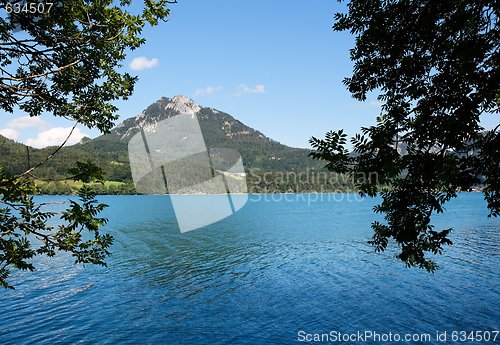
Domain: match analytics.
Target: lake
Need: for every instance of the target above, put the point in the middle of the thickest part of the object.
(283, 268)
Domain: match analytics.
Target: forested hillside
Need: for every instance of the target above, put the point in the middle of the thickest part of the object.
(262, 156)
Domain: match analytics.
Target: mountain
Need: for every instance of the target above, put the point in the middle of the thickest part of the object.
(110, 151)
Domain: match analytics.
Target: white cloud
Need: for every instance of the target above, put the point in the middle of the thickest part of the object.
(244, 89)
(9, 133)
(141, 62)
(27, 121)
(376, 104)
(207, 90)
(55, 137)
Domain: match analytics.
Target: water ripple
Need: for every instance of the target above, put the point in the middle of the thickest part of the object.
(257, 277)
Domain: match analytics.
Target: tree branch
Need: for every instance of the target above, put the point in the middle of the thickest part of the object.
(27, 172)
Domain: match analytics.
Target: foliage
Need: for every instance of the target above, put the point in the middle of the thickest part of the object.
(86, 172)
(65, 62)
(24, 231)
(435, 66)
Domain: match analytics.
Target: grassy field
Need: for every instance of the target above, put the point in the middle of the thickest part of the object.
(72, 187)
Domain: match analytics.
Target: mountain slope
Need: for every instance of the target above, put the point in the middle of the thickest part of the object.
(110, 151)
(219, 130)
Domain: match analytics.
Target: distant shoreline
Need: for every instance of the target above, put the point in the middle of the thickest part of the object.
(204, 194)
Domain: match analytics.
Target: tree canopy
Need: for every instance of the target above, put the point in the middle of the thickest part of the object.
(64, 60)
(435, 68)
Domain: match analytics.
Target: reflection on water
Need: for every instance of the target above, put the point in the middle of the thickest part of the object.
(260, 276)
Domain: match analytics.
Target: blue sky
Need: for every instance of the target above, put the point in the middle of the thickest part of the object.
(277, 66)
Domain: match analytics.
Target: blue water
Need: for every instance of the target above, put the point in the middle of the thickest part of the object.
(277, 267)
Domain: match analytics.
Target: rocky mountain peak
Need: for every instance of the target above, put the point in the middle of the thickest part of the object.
(159, 110)
(183, 105)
